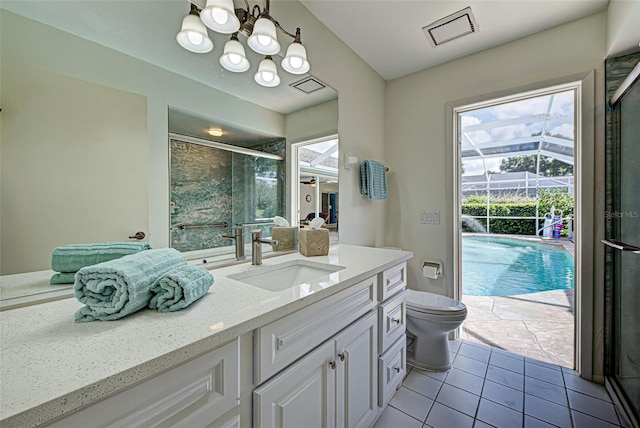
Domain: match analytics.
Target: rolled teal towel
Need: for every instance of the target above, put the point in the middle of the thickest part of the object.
(62, 278)
(179, 288)
(72, 258)
(117, 288)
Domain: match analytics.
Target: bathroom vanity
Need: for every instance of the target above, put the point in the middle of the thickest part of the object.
(327, 349)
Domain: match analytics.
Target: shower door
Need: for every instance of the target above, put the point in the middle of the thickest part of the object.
(624, 357)
(214, 189)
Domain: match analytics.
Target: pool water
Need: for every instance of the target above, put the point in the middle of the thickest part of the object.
(498, 266)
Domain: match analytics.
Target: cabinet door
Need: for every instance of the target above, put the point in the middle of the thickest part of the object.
(356, 348)
(193, 394)
(302, 395)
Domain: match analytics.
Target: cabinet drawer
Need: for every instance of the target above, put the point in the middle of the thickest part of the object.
(392, 366)
(282, 342)
(392, 281)
(195, 393)
(392, 320)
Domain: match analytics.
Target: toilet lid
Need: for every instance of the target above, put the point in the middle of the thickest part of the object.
(423, 301)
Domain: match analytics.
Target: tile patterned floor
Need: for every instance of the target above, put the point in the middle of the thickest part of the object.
(489, 387)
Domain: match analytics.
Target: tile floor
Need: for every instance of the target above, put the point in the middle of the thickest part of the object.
(489, 387)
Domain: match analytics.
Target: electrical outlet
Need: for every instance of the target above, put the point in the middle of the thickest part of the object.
(429, 217)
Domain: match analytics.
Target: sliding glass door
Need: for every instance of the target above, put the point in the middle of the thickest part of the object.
(624, 357)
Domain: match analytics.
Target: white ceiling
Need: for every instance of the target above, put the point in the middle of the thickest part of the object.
(387, 34)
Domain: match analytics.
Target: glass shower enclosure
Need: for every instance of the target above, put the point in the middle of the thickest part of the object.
(623, 355)
(216, 187)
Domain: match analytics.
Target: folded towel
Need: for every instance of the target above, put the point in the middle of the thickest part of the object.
(72, 258)
(114, 289)
(62, 278)
(373, 180)
(180, 287)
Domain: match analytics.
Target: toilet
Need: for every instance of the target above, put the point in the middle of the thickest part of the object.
(430, 319)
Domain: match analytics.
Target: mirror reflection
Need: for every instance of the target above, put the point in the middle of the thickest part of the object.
(86, 157)
(217, 186)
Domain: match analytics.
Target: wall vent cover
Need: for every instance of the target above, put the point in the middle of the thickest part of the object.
(451, 27)
(308, 85)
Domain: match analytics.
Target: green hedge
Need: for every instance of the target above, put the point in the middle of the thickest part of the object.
(516, 206)
(507, 226)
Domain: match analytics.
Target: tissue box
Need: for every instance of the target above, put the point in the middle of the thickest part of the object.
(287, 237)
(314, 242)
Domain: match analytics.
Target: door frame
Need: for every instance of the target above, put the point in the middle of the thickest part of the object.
(586, 271)
(293, 173)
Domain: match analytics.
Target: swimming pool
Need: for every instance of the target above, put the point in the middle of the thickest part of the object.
(499, 266)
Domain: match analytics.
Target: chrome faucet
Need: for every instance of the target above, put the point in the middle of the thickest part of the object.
(237, 236)
(256, 246)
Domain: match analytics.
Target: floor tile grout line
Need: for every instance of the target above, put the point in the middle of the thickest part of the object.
(618, 424)
(412, 417)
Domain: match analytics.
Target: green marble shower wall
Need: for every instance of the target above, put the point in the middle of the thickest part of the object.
(211, 185)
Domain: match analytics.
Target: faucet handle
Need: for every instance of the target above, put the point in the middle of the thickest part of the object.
(256, 234)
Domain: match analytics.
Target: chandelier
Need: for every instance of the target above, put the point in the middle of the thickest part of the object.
(255, 23)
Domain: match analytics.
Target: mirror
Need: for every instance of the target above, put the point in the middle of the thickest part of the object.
(85, 153)
(235, 179)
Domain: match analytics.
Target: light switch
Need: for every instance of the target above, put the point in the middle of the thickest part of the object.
(430, 217)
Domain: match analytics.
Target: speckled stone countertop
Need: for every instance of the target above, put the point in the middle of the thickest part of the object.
(51, 366)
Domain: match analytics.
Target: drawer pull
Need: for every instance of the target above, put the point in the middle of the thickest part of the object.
(391, 278)
(397, 320)
(342, 356)
(397, 369)
(332, 364)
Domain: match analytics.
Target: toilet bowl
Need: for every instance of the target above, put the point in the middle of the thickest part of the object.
(430, 318)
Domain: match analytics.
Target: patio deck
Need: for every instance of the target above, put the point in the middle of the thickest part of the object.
(537, 325)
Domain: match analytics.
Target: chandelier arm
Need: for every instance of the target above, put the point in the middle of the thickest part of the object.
(265, 14)
(253, 11)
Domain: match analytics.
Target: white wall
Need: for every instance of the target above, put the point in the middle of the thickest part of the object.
(623, 36)
(417, 150)
(361, 112)
(70, 165)
(314, 122)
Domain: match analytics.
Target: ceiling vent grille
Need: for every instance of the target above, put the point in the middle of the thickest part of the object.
(451, 27)
(308, 85)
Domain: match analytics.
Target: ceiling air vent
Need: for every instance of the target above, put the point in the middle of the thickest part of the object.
(308, 85)
(450, 28)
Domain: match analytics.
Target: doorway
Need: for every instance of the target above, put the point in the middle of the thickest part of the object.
(516, 211)
(315, 181)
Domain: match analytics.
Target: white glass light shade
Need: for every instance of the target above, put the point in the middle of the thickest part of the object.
(233, 58)
(267, 74)
(263, 39)
(295, 62)
(220, 16)
(193, 35)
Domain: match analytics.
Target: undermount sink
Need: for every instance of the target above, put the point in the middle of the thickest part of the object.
(288, 274)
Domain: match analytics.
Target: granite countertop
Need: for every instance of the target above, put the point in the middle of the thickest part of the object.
(51, 366)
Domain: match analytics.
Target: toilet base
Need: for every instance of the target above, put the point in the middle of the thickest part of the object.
(429, 367)
(431, 353)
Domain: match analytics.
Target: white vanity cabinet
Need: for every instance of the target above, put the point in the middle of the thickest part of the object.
(335, 385)
(392, 319)
(194, 394)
